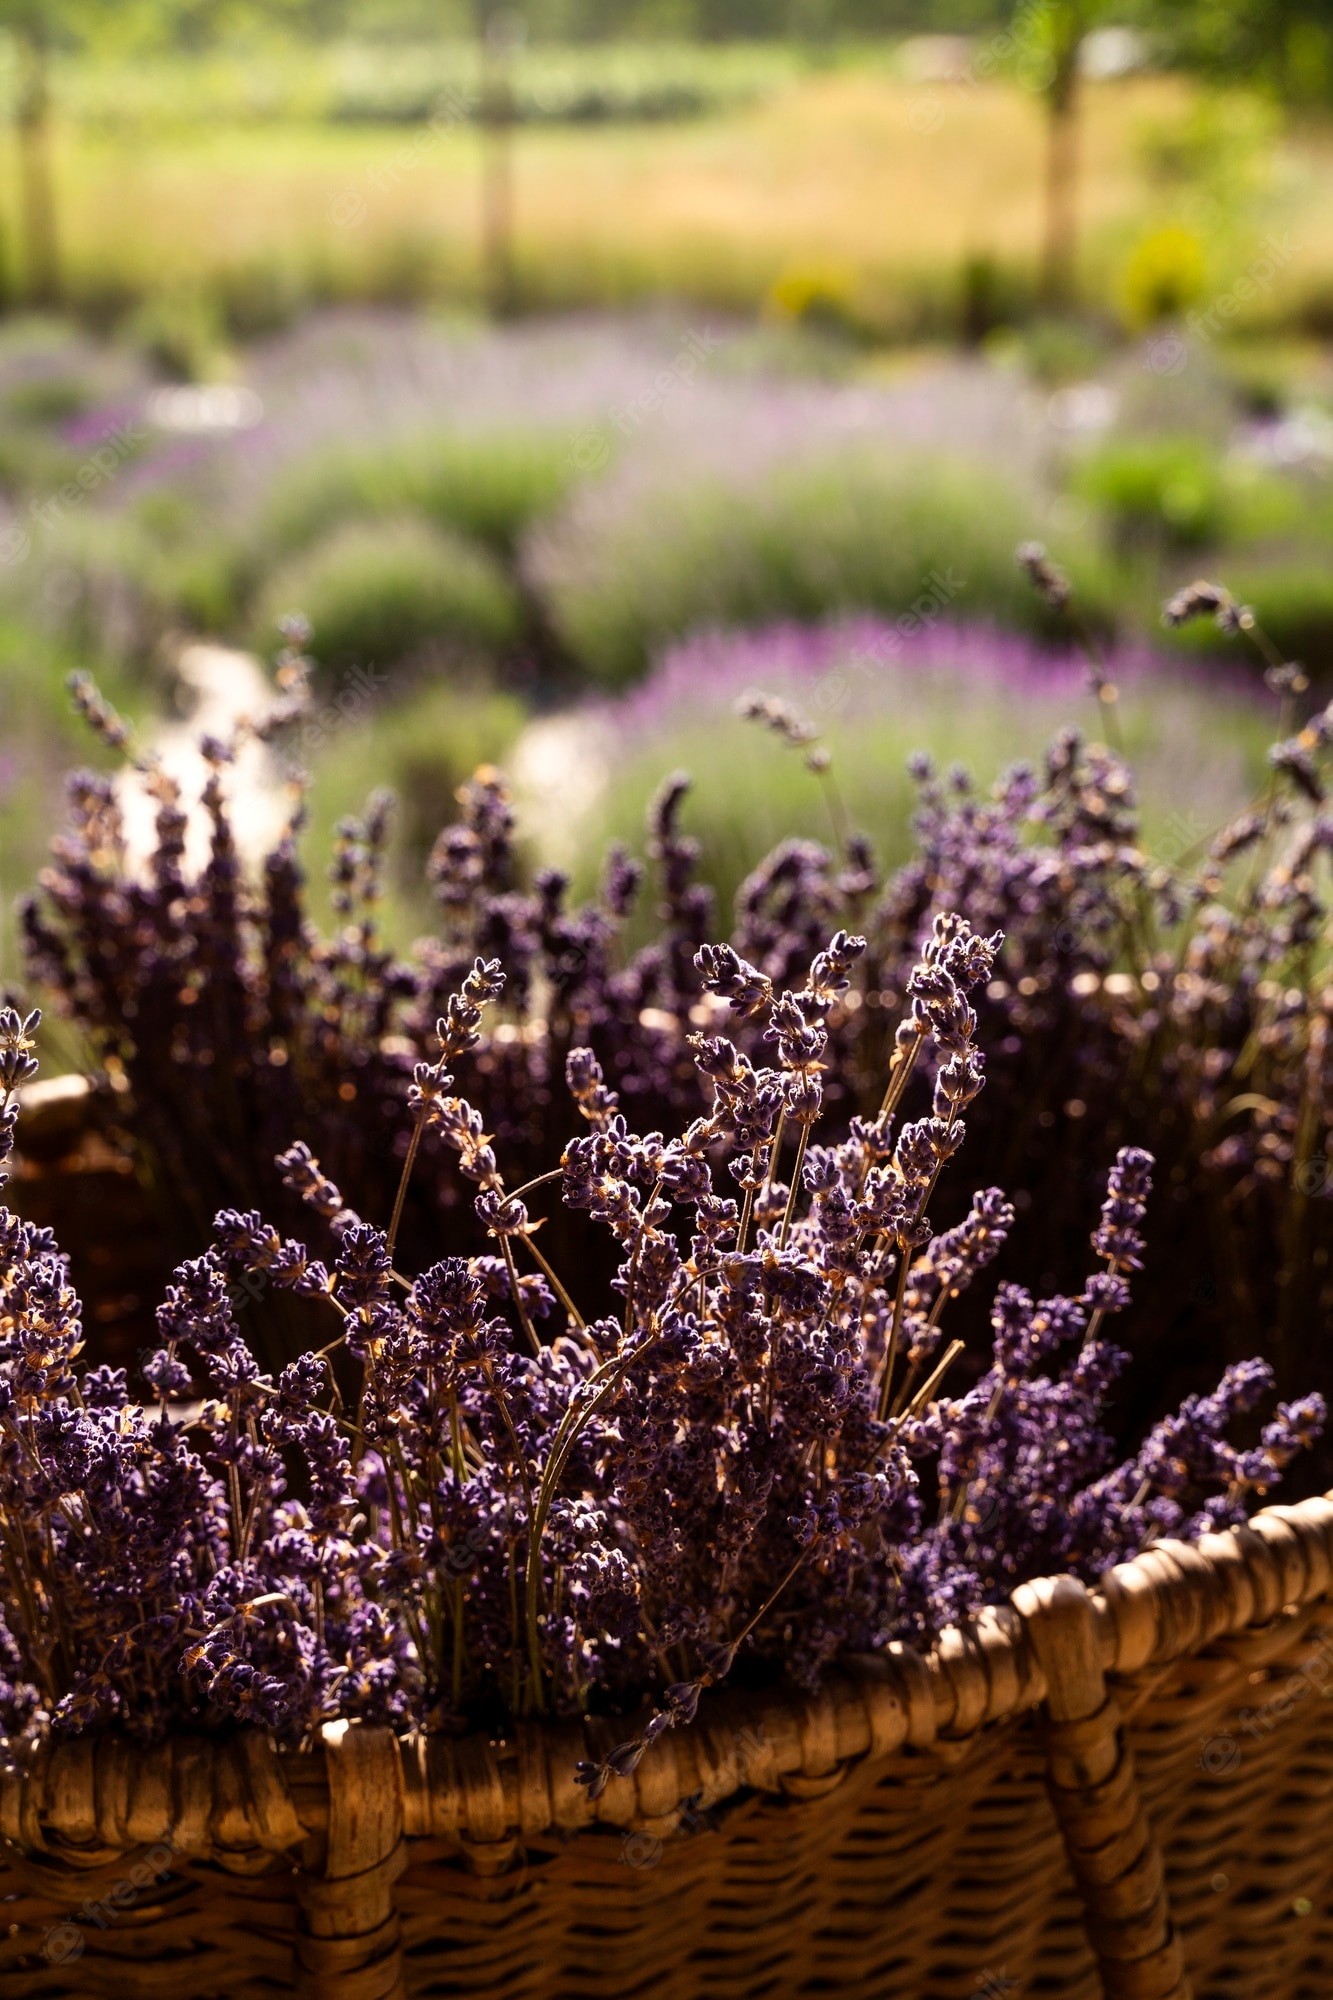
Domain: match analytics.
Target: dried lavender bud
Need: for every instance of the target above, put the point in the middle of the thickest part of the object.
(587, 1087)
(1296, 759)
(740, 1360)
(295, 629)
(500, 1213)
(459, 1031)
(625, 1759)
(97, 712)
(1199, 600)
(622, 882)
(165, 1375)
(780, 716)
(831, 969)
(728, 975)
(18, 1066)
(301, 1171)
(1042, 573)
(1117, 1235)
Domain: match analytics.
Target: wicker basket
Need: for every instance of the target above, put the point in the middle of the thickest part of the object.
(73, 1173)
(1127, 1792)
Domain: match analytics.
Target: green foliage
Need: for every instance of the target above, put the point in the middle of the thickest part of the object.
(40, 740)
(433, 76)
(1054, 349)
(1181, 493)
(422, 744)
(105, 585)
(487, 485)
(384, 593)
(46, 399)
(1164, 276)
(827, 298)
(181, 332)
(1170, 490)
(1285, 44)
(858, 532)
(1294, 598)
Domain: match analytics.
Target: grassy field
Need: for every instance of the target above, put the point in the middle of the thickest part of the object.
(866, 192)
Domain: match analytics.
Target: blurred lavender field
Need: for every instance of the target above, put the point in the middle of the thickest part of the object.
(486, 521)
(976, 699)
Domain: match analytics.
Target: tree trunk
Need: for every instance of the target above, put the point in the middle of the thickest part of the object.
(1060, 248)
(37, 207)
(497, 194)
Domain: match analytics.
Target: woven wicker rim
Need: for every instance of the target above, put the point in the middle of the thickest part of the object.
(239, 1803)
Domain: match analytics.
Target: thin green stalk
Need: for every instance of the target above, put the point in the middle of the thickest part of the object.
(899, 1071)
(891, 1351)
(519, 1306)
(556, 1174)
(776, 1147)
(560, 1292)
(403, 1179)
(842, 826)
(793, 1190)
(928, 1388)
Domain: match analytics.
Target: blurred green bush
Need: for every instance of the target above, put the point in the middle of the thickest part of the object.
(487, 485)
(389, 592)
(422, 744)
(1171, 490)
(1177, 493)
(860, 531)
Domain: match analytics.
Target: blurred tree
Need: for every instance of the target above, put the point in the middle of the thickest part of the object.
(714, 20)
(37, 29)
(1286, 44)
(1064, 25)
(500, 31)
(32, 24)
(1054, 32)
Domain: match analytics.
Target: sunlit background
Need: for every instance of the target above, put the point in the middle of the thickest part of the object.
(575, 367)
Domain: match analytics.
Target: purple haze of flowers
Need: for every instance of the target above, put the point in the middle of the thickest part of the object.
(858, 664)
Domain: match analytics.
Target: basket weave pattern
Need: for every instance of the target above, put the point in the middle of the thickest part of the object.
(1125, 1793)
